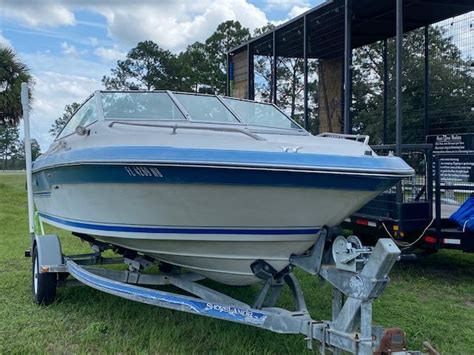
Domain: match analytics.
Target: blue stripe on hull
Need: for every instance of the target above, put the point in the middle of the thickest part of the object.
(177, 230)
(130, 174)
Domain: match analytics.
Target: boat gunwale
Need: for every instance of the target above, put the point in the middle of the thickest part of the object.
(247, 165)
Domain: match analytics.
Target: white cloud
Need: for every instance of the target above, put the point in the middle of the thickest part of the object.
(285, 4)
(48, 62)
(4, 42)
(279, 22)
(51, 93)
(69, 50)
(298, 10)
(172, 24)
(59, 81)
(111, 54)
(38, 13)
(176, 24)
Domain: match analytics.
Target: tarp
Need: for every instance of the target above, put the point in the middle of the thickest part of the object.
(464, 216)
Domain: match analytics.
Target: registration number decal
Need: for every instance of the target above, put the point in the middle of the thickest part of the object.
(143, 171)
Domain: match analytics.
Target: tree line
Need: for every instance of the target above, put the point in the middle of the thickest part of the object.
(12, 149)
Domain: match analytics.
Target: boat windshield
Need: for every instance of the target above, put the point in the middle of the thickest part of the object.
(140, 106)
(165, 105)
(260, 114)
(205, 108)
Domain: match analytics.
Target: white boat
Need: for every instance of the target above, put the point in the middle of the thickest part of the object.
(204, 182)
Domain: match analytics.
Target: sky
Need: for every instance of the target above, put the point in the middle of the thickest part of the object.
(69, 45)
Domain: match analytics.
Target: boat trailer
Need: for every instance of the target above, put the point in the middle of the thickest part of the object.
(357, 274)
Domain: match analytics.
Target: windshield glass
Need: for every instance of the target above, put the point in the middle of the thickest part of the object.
(140, 106)
(259, 114)
(205, 108)
(86, 115)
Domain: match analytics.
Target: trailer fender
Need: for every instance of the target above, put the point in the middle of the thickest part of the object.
(48, 249)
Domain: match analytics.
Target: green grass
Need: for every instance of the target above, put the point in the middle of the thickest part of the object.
(431, 300)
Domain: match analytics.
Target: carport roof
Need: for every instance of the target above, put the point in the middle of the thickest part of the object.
(372, 20)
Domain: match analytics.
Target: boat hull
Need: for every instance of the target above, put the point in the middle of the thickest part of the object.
(217, 228)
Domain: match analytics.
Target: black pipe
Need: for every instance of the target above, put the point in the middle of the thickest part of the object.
(385, 87)
(399, 118)
(399, 40)
(250, 74)
(274, 70)
(429, 178)
(426, 87)
(305, 72)
(438, 197)
(347, 66)
(227, 79)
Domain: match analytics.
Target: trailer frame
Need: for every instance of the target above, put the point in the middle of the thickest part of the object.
(349, 330)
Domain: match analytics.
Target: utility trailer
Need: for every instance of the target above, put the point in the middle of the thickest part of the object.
(416, 214)
(446, 233)
(404, 212)
(358, 275)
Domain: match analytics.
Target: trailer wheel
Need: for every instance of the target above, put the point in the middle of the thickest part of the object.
(43, 285)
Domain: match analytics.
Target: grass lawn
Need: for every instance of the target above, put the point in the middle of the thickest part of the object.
(431, 300)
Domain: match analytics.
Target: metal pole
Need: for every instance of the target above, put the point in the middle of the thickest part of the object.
(305, 72)
(385, 93)
(27, 142)
(426, 87)
(438, 196)
(347, 66)
(250, 73)
(227, 79)
(429, 178)
(274, 70)
(399, 40)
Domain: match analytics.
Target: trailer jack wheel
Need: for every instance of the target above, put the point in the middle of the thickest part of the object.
(43, 284)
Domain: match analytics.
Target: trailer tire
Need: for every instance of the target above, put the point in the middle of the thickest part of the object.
(43, 285)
